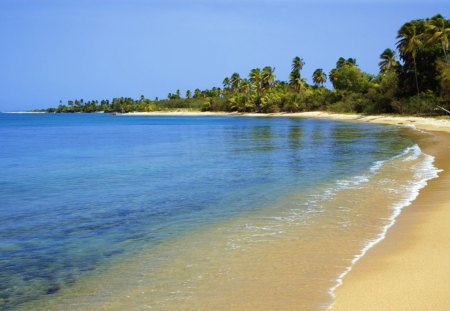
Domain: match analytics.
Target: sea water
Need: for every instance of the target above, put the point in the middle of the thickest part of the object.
(109, 212)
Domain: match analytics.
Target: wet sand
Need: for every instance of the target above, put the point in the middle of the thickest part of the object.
(410, 268)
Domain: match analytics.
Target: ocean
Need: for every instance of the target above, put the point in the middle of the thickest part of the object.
(106, 212)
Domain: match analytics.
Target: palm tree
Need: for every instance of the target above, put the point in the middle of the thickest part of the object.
(295, 80)
(409, 44)
(388, 60)
(255, 79)
(351, 61)
(437, 32)
(188, 94)
(319, 77)
(267, 77)
(244, 86)
(297, 64)
(226, 83)
(235, 80)
(340, 62)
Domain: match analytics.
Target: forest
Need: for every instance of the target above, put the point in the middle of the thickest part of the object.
(413, 78)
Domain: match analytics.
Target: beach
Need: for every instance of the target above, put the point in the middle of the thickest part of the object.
(410, 268)
(303, 244)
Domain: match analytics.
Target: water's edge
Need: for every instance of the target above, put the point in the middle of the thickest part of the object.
(429, 172)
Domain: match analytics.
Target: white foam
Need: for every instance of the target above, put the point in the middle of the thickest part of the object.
(424, 171)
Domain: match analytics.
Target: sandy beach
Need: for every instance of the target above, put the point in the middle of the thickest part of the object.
(410, 268)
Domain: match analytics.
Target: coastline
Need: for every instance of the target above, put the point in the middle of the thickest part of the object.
(373, 259)
(423, 123)
(409, 268)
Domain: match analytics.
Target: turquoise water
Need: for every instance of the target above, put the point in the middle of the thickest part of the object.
(79, 190)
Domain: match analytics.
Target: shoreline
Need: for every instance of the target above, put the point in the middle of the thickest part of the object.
(409, 269)
(378, 271)
(377, 278)
(422, 123)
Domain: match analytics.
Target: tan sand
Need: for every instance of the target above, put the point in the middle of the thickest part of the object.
(410, 268)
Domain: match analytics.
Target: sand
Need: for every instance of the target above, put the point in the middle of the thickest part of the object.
(410, 268)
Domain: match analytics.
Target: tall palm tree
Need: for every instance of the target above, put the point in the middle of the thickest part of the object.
(255, 79)
(409, 44)
(340, 62)
(267, 77)
(188, 94)
(388, 60)
(297, 64)
(235, 80)
(295, 80)
(438, 32)
(226, 83)
(244, 86)
(319, 77)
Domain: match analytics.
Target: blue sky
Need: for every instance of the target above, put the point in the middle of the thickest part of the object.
(55, 50)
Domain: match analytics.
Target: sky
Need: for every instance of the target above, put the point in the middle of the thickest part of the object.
(52, 50)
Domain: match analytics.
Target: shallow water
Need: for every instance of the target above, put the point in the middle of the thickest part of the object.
(192, 213)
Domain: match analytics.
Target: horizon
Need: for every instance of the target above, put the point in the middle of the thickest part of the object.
(104, 49)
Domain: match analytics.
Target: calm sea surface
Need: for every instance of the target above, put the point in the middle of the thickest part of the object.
(90, 198)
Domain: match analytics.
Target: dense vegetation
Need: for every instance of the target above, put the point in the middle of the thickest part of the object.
(417, 81)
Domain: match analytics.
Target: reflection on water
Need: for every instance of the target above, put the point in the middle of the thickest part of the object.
(80, 192)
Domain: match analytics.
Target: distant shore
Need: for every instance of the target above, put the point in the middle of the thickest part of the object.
(423, 123)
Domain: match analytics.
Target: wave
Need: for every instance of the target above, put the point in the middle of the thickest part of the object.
(424, 171)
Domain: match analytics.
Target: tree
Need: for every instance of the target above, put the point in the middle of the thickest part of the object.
(197, 93)
(295, 80)
(255, 79)
(267, 77)
(188, 94)
(388, 61)
(244, 86)
(319, 77)
(226, 83)
(438, 31)
(297, 64)
(349, 77)
(235, 80)
(409, 44)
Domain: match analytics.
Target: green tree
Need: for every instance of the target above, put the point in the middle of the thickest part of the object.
(349, 77)
(409, 44)
(438, 31)
(226, 83)
(235, 80)
(255, 79)
(244, 86)
(267, 77)
(319, 77)
(388, 61)
(295, 80)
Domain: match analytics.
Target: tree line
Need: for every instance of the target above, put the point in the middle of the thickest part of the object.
(414, 78)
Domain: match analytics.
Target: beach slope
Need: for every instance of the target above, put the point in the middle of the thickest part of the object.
(410, 268)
